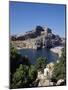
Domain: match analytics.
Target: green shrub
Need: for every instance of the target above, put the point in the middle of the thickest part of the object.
(41, 63)
(32, 73)
(59, 71)
(24, 76)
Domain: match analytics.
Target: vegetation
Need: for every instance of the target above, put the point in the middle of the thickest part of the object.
(22, 73)
(19, 77)
(60, 68)
(32, 73)
(14, 57)
(41, 63)
(24, 76)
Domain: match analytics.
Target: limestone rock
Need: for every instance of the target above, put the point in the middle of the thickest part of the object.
(31, 38)
(44, 78)
(50, 66)
(59, 82)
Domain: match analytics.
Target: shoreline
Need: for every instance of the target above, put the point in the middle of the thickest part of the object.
(57, 50)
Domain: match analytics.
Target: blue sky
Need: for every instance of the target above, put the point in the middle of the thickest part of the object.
(26, 16)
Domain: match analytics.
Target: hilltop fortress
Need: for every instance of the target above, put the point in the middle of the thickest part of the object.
(40, 37)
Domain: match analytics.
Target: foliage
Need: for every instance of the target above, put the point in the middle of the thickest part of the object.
(20, 76)
(32, 73)
(16, 59)
(41, 63)
(25, 61)
(24, 76)
(13, 51)
(59, 71)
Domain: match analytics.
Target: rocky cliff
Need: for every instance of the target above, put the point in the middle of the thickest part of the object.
(38, 38)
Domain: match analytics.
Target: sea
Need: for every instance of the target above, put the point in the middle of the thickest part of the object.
(34, 54)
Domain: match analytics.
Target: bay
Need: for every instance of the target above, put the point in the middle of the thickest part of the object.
(33, 54)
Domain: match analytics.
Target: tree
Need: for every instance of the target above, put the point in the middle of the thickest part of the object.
(41, 63)
(22, 73)
(14, 59)
(59, 71)
(20, 77)
(32, 73)
(13, 51)
(25, 61)
(24, 76)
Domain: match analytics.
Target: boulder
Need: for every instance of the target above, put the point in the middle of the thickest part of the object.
(45, 83)
(60, 82)
(46, 72)
(50, 66)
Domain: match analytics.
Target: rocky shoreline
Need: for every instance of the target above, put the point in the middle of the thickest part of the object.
(57, 50)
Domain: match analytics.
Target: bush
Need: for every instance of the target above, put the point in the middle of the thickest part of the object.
(25, 61)
(22, 73)
(14, 57)
(15, 60)
(20, 77)
(24, 76)
(32, 73)
(59, 71)
(41, 63)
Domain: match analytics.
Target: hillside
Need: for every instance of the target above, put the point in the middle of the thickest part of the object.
(38, 38)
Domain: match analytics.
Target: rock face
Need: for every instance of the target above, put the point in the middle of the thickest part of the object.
(50, 66)
(44, 78)
(38, 38)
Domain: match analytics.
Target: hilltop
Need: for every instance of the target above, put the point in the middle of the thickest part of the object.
(39, 37)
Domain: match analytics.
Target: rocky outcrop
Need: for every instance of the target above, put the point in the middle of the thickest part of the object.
(30, 34)
(45, 78)
(38, 38)
(57, 50)
(60, 82)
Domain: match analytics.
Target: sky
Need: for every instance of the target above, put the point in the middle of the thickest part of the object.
(26, 16)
